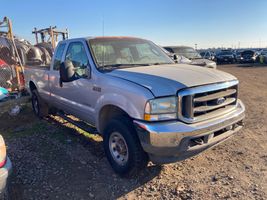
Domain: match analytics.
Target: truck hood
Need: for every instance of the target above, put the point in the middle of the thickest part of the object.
(164, 80)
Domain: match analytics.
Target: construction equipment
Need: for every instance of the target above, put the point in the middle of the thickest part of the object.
(52, 34)
(9, 53)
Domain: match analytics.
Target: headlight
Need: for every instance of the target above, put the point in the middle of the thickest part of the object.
(161, 109)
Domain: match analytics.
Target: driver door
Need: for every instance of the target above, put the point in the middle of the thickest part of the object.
(74, 97)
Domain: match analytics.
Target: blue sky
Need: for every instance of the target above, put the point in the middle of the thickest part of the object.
(209, 23)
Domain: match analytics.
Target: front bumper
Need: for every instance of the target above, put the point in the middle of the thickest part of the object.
(225, 60)
(167, 142)
(248, 60)
(5, 171)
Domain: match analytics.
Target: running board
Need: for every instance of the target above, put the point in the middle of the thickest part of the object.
(80, 124)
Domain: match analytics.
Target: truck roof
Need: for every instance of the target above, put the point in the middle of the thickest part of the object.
(102, 37)
(178, 46)
(114, 37)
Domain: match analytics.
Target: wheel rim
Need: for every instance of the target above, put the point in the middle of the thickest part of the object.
(35, 104)
(118, 148)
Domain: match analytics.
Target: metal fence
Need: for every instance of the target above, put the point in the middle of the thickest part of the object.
(8, 63)
(7, 77)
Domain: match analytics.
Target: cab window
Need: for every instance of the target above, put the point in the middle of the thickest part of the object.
(76, 55)
(58, 56)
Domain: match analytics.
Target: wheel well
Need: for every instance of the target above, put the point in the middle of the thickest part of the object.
(107, 113)
(32, 86)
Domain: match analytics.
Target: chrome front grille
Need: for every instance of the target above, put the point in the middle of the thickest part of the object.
(205, 102)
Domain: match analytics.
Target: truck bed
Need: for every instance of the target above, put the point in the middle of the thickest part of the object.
(38, 74)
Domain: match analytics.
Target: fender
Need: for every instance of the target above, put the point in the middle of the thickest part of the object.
(135, 111)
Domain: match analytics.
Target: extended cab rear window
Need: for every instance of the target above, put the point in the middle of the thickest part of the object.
(58, 56)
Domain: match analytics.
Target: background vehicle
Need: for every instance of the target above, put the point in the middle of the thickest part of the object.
(225, 56)
(185, 51)
(5, 169)
(207, 55)
(138, 99)
(263, 54)
(177, 58)
(249, 56)
(191, 54)
(237, 55)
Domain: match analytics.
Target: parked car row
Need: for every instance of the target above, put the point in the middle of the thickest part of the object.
(236, 56)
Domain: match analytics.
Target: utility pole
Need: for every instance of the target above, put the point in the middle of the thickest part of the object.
(195, 46)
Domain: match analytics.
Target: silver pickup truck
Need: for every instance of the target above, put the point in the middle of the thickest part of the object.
(144, 105)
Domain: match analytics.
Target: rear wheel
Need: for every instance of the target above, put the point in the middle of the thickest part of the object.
(122, 147)
(40, 108)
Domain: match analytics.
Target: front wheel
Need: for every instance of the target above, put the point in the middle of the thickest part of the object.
(122, 147)
(40, 109)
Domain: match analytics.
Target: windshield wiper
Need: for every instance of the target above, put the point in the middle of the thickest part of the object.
(115, 66)
(157, 63)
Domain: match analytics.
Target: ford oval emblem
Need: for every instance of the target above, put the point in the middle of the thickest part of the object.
(220, 101)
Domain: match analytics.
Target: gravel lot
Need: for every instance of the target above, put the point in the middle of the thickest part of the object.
(54, 160)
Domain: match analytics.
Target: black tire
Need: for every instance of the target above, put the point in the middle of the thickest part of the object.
(137, 158)
(40, 108)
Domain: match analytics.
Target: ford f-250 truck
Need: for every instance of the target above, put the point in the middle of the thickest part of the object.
(144, 105)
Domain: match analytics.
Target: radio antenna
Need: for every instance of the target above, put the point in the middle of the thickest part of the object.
(103, 33)
(103, 26)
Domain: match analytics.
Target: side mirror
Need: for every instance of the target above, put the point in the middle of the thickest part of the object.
(175, 58)
(88, 72)
(66, 71)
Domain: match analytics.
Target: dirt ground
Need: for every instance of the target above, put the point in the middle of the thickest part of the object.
(54, 160)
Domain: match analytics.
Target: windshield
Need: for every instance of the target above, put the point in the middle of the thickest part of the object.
(187, 52)
(126, 52)
(250, 53)
(228, 53)
(202, 54)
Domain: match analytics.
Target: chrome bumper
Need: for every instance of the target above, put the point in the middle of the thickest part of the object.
(167, 142)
